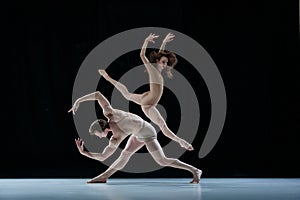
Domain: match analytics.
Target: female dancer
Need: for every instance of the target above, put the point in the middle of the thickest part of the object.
(148, 100)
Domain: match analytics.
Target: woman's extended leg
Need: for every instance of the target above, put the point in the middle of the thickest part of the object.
(154, 115)
(158, 155)
(131, 147)
(136, 98)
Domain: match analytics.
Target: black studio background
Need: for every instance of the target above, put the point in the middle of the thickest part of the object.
(255, 45)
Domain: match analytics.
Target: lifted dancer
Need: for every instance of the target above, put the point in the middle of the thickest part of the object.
(148, 100)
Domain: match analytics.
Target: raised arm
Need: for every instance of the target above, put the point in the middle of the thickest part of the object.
(150, 38)
(103, 102)
(107, 152)
(169, 37)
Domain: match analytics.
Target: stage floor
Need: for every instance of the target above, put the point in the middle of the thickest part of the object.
(151, 189)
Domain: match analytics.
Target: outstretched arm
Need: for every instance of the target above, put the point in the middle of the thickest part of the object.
(167, 39)
(107, 152)
(103, 102)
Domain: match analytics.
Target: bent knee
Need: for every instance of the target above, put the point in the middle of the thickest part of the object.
(126, 154)
(161, 124)
(127, 95)
(165, 161)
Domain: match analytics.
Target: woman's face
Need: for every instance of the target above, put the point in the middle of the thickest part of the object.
(162, 62)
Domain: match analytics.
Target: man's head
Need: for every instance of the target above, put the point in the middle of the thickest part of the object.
(99, 128)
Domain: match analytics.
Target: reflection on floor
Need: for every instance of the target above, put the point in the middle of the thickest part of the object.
(151, 189)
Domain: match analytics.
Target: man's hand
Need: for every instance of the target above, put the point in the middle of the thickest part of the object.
(169, 37)
(79, 144)
(74, 107)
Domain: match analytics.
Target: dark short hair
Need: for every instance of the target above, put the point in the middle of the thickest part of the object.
(99, 125)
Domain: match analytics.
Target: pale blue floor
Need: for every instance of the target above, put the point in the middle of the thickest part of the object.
(151, 189)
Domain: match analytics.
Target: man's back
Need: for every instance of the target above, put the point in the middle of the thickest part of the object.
(125, 122)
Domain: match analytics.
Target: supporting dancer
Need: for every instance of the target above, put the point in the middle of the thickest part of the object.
(122, 124)
(148, 100)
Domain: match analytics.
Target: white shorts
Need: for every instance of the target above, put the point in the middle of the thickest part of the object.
(146, 133)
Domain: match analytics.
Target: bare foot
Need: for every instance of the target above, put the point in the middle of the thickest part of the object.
(103, 73)
(186, 145)
(97, 180)
(197, 177)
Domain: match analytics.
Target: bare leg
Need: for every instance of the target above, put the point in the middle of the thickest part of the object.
(131, 147)
(158, 155)
(136, 98)
(148, 101)
(152, 113)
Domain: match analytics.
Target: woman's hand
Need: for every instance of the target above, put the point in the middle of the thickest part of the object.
(151, 38)
(169, 38)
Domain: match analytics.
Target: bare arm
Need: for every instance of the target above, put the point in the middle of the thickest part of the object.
(150, 38)
(148, 65)
(104, 103)
(167, 39)
(107, 152)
